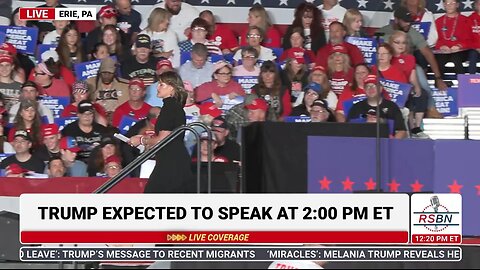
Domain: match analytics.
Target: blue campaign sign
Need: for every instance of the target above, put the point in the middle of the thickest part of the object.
(41, 48)
(90, 69)
(87, 70)
(446, 101)
(422, 27)
(23, 38)
(213, 58)
(247, 82)
(55, 104)
(126, 123)
(229, 103)
(368, 47)
(297, 119)
(2, 37)
(63, 121)
(397, 91)
(348, 104)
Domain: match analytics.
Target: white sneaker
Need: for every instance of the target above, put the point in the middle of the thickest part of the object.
(420, 135)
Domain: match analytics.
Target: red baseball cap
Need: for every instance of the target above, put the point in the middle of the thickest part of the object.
(14, 168)
(49, 130)
(6, 58)
(339, 49)
(138, 82)
(107, 12)
(209, 108)
(257, 104)
(297, 54)
(164, 62)
(114, 159)
(370, 79)
(9, 48)
(69, 143)
(321, 68)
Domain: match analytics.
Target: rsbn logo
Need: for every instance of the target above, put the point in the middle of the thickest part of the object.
(435, 217)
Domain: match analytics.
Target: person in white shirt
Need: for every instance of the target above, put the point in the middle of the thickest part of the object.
(164, 41)
(332, 12)
(182, 16)
(255, 36)
(54, 36)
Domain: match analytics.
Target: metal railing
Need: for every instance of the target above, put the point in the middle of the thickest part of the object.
(159, 146)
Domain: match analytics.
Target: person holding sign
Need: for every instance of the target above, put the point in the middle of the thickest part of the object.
(172, 173)
(421, 15)
(388, 109)
(417, 101)
(453, 41)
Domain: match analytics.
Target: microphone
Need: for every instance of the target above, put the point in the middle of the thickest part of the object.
(435, 203)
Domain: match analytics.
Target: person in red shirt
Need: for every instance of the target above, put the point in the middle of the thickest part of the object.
(453, 38)
(417, 102)
(135, 107)
(353, 90)
(337, 35)
(388, 70)
(340, 72)
(48, 85)
(222, 85)
(474, 54)
(258, 16)
(220, 34)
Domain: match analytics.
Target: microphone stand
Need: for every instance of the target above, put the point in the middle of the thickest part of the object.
(378, 153)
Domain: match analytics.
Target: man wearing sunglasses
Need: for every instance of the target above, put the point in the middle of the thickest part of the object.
(182, 16)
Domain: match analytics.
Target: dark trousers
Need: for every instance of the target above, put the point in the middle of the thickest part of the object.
(457, 58)
(473, 56)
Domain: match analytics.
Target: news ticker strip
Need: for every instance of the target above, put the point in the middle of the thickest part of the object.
(240, 218)
(276, 253)
(70, 14)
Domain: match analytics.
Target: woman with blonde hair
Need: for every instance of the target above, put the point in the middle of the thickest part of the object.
(340, 72)
(258, 16)
(353, 21)
(172, 172)
(164, 41)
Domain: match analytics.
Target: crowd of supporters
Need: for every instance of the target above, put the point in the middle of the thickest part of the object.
(311, 71)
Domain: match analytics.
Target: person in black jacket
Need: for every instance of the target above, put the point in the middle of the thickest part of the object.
(309, 18)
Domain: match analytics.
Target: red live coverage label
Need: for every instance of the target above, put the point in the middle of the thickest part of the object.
(214, 218)
(40, 14)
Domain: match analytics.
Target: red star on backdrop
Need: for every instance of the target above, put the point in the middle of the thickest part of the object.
(478, 190)
(370, 184)
(347, 184)
(325, 183)
(393, 185)
(455, 187)
(417, 186)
